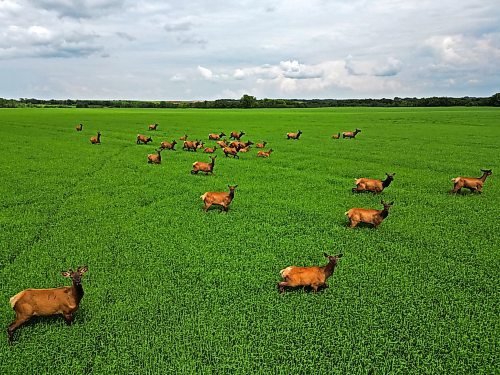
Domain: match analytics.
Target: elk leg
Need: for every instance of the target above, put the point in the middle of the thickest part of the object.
(68, 318)
(207, 206)
(281, 286)
(354, 223)
(14, 325)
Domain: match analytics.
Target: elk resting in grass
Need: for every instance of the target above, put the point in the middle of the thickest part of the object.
(155, 158)
(314, 277)
(368, 216)
(264, 154)
(184, 138)
(222, 199)
(375, 186)
(293, 135)
(199, 166)
(79, 127)
(336, 136)
(96, 140)
(261, 145)
(471, 183)
(45, 302)
(143, 139)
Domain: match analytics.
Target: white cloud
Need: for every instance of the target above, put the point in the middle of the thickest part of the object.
(205, 72)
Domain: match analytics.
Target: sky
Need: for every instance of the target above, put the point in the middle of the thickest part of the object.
(205, 50)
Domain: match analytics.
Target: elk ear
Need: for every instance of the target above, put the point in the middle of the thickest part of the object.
(325, 255)
(391, 203)
(339, 255)
(66, 273)
(382, 201)
(82, 269)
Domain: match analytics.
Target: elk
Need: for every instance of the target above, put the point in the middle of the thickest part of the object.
(155, 158)
(293, 135)
(46, 302)
(204, 167)
(336, 136)
(143, 139)
(375, 186)
(368, 216)
(168, 145)
(222, 143)
(216, 137)
(231, 151)
(209, 150)
(235, 135)
(351, 134)
(153, 126)
(190, 145)
(471, 183)
(263, 154)
(200, 144)
(314, 277)
(244, 149)
(96, 140)
(239, 145)
(261, 145)
(79, 127)
(222, 199)
(184, 138)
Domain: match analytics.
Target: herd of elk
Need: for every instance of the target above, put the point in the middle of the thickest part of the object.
(264, 154)
(199, 166)
(368, 216)
(215, 136)
(471, 183)
(293, 135)
(350, 134)
(153, 126)
(236, 135)
(45, 302)
(143, 139)
(374, 186)
(168, 145)
(96, 140)
(79, 127)
(155, 158)
(221, 199)
(314, 277)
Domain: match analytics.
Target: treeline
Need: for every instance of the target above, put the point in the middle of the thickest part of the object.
(248, 101)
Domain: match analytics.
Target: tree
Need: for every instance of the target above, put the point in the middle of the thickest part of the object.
(248, 101)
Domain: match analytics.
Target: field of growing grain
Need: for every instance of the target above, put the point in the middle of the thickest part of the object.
(172, 289)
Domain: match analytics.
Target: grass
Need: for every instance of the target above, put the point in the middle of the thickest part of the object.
(171, 289)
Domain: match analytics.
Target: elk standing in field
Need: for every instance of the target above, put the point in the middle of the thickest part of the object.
(155, 158)
(236, 135)
(263, 154)
(45, 302)
(143, 139)
(96, 140)
(471, 183)
(184, 138)
(261, 145)
(293, 135)
(79, 127)
(231, 151)
(153, 126)
(222, 199)
(204, 167)
(350, 134)
(336, 136)
(368, 216)
(314, 277)
(375, 186)
(168, 145)
(216, 137)
(190, 145)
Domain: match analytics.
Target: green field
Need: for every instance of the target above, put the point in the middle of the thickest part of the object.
(171, 289)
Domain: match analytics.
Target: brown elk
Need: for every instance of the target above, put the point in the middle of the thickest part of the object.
(184, 138)
(293, 135)
(168, 145)
(350, 134)
(79, 127)
(190, 145)
(96, 140)
(471, 183)
(231, 151)
(244, 149)
(314, 277)
(368, 216)
(209, 150)
(236, 135)
(222, 143)
(45, 302)
(239, 145)
(336, 136)
(153, 126)
(261, 145)
(201, 144)
(375, 186)
(204, 167)
(143, 139)
(222, 199)
(216, 137)
(155, 158)
(264, 154)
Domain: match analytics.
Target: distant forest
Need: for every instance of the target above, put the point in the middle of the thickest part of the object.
(248, 101)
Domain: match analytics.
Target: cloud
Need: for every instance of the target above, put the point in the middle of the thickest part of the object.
(191, 39)
(295, 70)
(178, 26)
(205, 72)
(79, 8)
(391, 68)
